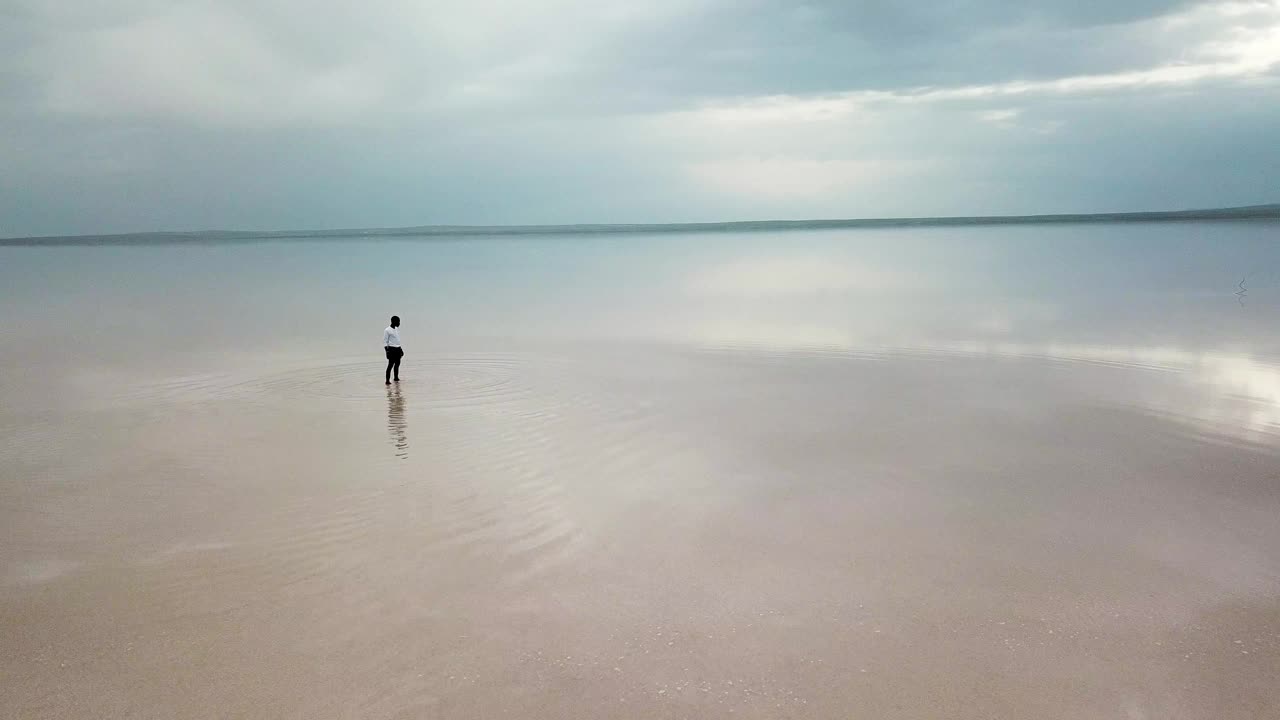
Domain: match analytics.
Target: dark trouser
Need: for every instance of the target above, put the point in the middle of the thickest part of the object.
(393, 361)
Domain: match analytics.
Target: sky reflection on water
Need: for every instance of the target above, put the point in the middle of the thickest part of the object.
(1143, 297)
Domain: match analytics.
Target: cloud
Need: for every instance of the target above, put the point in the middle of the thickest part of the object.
(1234, 54)
(1001, 117)
(119, 115)
(285, 62)
(203, 65)
(782, 178)
(880, 152)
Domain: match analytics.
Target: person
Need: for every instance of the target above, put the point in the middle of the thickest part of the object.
(391, 343)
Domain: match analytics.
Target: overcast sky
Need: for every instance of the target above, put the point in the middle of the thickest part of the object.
(131, 115)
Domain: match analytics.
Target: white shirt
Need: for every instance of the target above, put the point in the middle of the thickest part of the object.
(391, 337)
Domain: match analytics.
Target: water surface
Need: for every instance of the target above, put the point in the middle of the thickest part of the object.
(935, 472)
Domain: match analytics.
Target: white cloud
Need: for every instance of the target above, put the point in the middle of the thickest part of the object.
(202, 63)
(1234, 52)
(1002, 118)
(287, 62)
(1013, 119)
(786, 177)
(824, 154)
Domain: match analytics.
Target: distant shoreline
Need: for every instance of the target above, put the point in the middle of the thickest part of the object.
(1251, 212)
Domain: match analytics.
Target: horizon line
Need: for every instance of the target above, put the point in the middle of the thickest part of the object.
(1242, 212)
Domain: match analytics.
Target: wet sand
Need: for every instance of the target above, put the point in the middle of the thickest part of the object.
(640, 530)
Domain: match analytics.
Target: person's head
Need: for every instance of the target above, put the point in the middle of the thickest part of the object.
(395, 321)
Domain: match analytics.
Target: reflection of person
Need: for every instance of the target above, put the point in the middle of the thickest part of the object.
(391, 343)
(396, 422)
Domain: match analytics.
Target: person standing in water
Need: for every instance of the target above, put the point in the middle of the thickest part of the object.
(391, 343)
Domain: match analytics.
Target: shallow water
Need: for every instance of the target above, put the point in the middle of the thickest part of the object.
(945, 472)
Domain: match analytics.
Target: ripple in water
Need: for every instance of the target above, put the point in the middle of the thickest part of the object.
(396, 422)
(485, 480)
(451, 382)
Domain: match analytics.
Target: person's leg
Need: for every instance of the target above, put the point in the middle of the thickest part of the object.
(390, 362)
(397, 365)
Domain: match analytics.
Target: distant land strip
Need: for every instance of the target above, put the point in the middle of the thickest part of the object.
(1251, 212)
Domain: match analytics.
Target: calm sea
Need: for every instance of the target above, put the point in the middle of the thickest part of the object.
(968, 472)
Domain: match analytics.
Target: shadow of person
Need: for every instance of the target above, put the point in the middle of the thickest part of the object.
(397, 424)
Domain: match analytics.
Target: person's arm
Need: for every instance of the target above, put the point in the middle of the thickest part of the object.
(386, 338)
